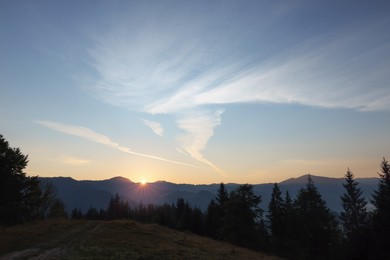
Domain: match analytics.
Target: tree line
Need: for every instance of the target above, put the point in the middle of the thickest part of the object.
(302, 227)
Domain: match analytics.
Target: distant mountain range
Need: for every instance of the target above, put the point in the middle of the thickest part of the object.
(84, 194)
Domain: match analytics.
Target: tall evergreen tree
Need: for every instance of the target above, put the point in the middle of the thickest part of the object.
(354, 214)
(354, 218)
(381, 217)
(117, 208)
(286, 248)
(183, 215)
(222, 195)
(316, 228)
(216, 213)
(243, 222)
(276, 217)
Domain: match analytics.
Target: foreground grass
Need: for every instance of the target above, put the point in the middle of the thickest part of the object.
(125, 239)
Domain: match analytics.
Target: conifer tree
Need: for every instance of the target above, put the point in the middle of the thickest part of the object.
(316, 228)
(276, 216)
(216, 213)
(381, 217)
(222, 195)
(354, 214)
(243, 222)
(354, 218)
(286, 247)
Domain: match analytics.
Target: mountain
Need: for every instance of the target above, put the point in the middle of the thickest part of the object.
(84, 194)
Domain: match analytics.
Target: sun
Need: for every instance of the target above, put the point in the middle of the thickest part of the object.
(143, 182)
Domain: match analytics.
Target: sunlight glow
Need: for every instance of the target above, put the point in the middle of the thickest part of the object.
(143, 182)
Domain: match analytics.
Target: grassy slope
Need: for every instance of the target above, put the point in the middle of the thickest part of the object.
(63, 239)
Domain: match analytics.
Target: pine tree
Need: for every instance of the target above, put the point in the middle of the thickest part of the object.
(117, 208)
(286, 248)
(354, 218)
(276, 216)
(216, 213)
(183, 215)
(354, 214)
(222, 195)
(381, 217)
(315, 226)
(243, 222)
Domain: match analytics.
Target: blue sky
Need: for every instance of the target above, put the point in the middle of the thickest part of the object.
(196, 91)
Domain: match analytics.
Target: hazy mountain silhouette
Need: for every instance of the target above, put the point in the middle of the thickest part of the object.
(84, 194)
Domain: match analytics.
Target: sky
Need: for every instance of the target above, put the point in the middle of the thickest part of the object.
(196, 91)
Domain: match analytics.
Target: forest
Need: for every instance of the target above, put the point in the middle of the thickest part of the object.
(300, 227)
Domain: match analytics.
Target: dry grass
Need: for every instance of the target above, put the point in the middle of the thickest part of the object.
(63, 239)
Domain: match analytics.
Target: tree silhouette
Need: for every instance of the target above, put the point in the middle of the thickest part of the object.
(183, 215)
(117, 208)
(20, 195)
(354, 218)
(216, 212)
(277, 218)
(316, 228)
(276, 213)
(243, 221)
(381, 216)
(222, 195)
(76, 214)
(48, 197)
(57, 210)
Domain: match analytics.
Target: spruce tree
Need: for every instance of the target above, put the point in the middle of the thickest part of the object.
(243, 223)
(315, 226)
(276, 216)
(287, 246)
(216, 213)
(354, 214)
(381, 216)
(222, 195)
(354, 218)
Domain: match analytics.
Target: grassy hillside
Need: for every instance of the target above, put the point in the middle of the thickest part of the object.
(63, 239)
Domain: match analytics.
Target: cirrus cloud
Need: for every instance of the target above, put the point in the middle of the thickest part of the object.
(92, 136)
(190, 61)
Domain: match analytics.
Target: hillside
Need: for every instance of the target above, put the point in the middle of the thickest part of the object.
(63, 239)
(84, 194)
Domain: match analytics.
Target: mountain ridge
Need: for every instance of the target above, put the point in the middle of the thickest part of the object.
(84, 194)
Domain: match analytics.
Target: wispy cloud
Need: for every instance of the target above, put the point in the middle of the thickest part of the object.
(166, 73)
(90, 135)
(155, 126)
(321, 75)
(199, 128)
(166, 67)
